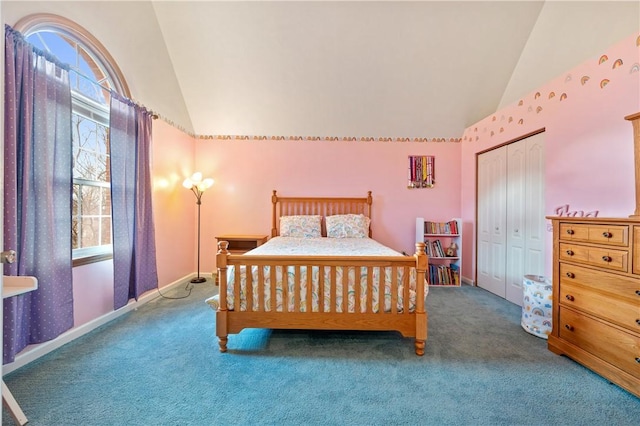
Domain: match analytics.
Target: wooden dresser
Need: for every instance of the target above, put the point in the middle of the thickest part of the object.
(596, 296)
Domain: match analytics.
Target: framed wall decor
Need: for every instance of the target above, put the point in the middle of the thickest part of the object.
(422, 172)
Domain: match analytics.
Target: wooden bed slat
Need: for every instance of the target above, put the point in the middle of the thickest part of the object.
(272, 278)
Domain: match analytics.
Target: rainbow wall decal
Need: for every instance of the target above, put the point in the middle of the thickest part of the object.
(552, 95)
(603, 59)
(617, 64)
(538, 110)
(603, 83)
(537, 95)
(638, 41)
(634, 68)
(563, 96)
(584, 79)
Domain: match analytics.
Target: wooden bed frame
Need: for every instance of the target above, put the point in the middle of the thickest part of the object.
(409, 324)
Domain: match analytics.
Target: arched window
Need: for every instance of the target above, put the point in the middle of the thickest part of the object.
(93, 75)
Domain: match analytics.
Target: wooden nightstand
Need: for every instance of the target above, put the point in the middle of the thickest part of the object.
(239, 244)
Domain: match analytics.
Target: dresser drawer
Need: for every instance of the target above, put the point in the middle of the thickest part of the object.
(614, 235)
(612, 345)
(619, 311)
(619, 286)
(636, 250)
(616, 260)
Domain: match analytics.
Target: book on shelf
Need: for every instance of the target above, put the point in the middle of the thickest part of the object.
(427, 248)
(437, 249)
(444, 275)
(450, 227)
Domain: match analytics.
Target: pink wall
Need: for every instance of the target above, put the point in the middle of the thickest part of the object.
(174, 216)
(92, 291)
(174, 206)
(588, 144)
(246, 172)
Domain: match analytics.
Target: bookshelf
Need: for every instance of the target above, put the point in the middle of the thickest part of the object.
(444, 266)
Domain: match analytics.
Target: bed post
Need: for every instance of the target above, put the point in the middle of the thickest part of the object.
(422, 263)
(221, 314)
(369, 202)
(274, 202)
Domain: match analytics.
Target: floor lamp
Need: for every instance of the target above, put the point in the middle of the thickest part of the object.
(198, 185)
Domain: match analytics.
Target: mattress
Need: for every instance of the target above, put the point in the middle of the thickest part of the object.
(344, 276)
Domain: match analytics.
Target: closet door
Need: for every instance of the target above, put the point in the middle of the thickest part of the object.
(535, 222)
(516, 220)
(525, 213)
(492, 203)
(511, 218)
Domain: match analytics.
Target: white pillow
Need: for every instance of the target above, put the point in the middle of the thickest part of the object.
(348, 226)
(306, 226)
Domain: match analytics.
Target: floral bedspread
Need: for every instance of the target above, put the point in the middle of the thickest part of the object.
(320, 247)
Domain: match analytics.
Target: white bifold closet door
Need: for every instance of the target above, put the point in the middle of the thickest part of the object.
(511, 218)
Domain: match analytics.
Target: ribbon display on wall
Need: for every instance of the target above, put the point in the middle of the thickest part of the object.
(421, 172)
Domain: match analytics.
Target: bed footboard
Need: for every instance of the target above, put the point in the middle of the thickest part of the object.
(322, 293)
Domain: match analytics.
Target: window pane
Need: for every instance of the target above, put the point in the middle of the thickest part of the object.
(106, 230)
(91, 200)
(69, 52)
(90, 231)
(75, 230)
(90, 148)
(106, 202)
(76, 196)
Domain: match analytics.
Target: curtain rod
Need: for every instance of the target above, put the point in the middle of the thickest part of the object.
(90, 80)
(54, 59)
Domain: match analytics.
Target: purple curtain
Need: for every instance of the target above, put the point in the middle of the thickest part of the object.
(37, 194)
(134, 252)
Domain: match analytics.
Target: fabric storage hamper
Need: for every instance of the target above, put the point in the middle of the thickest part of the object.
(536, 305)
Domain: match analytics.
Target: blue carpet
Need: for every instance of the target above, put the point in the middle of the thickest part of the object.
(160, 365)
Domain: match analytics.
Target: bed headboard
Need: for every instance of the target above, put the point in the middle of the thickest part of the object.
(323, 206)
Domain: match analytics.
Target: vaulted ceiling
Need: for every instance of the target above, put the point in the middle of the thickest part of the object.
(362, 68)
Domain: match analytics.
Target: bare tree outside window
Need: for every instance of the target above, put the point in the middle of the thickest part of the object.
(91, 208)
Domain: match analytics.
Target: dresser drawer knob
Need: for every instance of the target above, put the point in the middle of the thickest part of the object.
(569, 252)
(638, 292)
(570, 231)
(607, 234)
(569, 297)
(568, 327)
(638, 321)
(607, 258)
(571, 275)
(638, 360)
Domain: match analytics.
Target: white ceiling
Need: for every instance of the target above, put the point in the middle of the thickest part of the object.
(381, 69)
(344, 69)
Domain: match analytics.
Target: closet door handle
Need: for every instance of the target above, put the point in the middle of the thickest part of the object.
(570, 252)
(569, 297)
(571, 275)
(570, 231)
(607, 234)
(606, 258)
(568, 327)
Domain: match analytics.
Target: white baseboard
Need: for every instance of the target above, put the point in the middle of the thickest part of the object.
(468, 281)
(33, 352)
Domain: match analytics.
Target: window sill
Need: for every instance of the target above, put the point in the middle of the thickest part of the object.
(88, 256)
